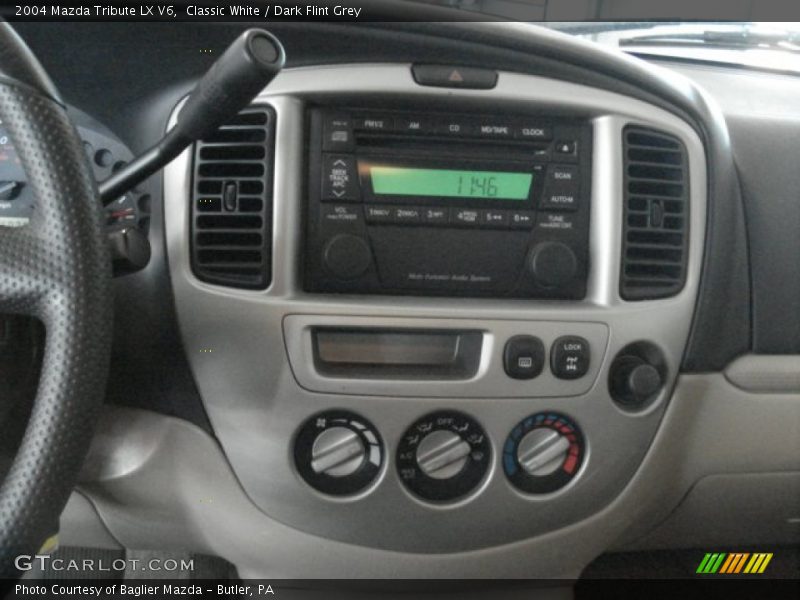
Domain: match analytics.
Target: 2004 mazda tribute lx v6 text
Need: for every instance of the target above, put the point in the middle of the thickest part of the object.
(457, 299)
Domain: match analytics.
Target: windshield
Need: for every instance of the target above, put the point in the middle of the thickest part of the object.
(772, 46)
(759, 45)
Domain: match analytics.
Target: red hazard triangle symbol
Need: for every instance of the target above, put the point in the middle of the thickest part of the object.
(455, 77)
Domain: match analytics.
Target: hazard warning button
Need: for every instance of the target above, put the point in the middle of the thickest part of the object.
(454, 76)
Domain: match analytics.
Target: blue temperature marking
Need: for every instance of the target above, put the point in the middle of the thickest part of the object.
(509, 465)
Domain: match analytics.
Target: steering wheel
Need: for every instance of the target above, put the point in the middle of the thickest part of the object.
(57, 269)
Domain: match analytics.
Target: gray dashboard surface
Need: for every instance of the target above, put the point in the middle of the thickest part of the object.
(763, 116)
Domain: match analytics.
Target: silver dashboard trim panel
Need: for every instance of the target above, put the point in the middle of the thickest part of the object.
(255, 403)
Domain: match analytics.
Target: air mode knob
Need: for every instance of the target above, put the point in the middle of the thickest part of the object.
(443, 456)
(552, 264)
(347, 256)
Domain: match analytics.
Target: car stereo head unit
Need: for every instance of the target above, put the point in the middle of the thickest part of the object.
(444, 204)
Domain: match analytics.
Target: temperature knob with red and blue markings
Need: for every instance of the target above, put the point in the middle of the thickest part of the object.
(543, 453)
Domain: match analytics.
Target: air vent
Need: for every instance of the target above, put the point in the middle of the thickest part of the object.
(232, 202)
(656, 213)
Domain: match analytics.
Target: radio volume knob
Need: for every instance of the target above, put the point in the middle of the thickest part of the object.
(552, 264)
(347, 256)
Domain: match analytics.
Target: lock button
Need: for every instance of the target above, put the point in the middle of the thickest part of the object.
(570, 357)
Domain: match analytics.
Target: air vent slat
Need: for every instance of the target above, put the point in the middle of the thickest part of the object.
(232, 202)
(656, 200)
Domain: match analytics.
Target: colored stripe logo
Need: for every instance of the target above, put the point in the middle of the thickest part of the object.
(734, 563)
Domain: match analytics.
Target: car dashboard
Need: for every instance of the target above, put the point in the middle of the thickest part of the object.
(465, 300)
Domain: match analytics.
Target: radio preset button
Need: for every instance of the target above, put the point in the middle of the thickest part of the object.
(465, 217)
(496, 219)
(404, 215)
(340, 178)
(521, 219)
(379, 214)
(570, 357)
(435, 216)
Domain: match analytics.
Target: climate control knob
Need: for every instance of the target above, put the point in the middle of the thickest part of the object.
(338, 452)
(443, 456)
(543, 453)
(552, 264)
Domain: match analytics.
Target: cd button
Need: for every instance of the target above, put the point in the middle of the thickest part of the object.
(435, 216)
(495, 219)
(521, 219)
(456, 127)
(465, 217)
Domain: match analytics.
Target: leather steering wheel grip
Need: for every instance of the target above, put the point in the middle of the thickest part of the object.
(57, 268)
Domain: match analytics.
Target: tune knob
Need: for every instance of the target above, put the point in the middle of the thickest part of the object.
(347, 256)
(633, 381)
(543, 453)
(443, 456)
(338, 452)
(552, 264)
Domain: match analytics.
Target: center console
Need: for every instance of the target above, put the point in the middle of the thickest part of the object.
(465, 310)
(432, 203)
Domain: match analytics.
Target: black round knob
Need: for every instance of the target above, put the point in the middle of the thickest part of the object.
(552, 264)
(634, 381)
(347, 256)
